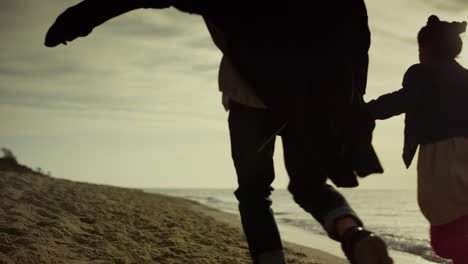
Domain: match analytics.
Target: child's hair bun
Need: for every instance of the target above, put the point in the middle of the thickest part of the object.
(432, 20)
(444, 36)
(434, 23)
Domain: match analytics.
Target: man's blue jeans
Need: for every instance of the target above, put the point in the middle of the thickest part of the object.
(249, 129)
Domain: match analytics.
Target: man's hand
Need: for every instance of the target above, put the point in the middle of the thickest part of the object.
(67, 27)
(79, 20)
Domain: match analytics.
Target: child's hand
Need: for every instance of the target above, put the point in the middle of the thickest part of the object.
(67, 27)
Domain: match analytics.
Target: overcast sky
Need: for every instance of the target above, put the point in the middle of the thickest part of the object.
(136, 103)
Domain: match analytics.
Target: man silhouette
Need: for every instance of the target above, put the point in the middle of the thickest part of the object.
(300, 74)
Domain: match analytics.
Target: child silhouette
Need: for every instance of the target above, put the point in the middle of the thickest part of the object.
(434, 97)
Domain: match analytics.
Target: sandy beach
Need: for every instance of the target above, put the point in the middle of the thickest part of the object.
(49, 220)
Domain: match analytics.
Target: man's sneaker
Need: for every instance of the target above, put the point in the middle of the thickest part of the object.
(364, 247)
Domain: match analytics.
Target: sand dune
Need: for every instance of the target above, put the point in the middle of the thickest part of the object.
(48, 220)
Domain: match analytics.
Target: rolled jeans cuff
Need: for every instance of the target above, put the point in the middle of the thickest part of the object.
(329, 223)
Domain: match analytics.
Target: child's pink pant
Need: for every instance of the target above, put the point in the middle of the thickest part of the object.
(450, 241)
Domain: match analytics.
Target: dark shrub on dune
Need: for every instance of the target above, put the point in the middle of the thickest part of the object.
(9, 163)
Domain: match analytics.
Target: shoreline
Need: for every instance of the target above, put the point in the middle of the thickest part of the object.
(48, 220)
(298, 237)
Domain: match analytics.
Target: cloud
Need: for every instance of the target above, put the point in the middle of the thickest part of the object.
(146, 60)
(458, 6)
(153, 73)
(129, 26)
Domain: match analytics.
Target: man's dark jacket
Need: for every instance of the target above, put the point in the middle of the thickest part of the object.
(307, 64)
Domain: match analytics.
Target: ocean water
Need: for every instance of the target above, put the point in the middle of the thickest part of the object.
(393, 214)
